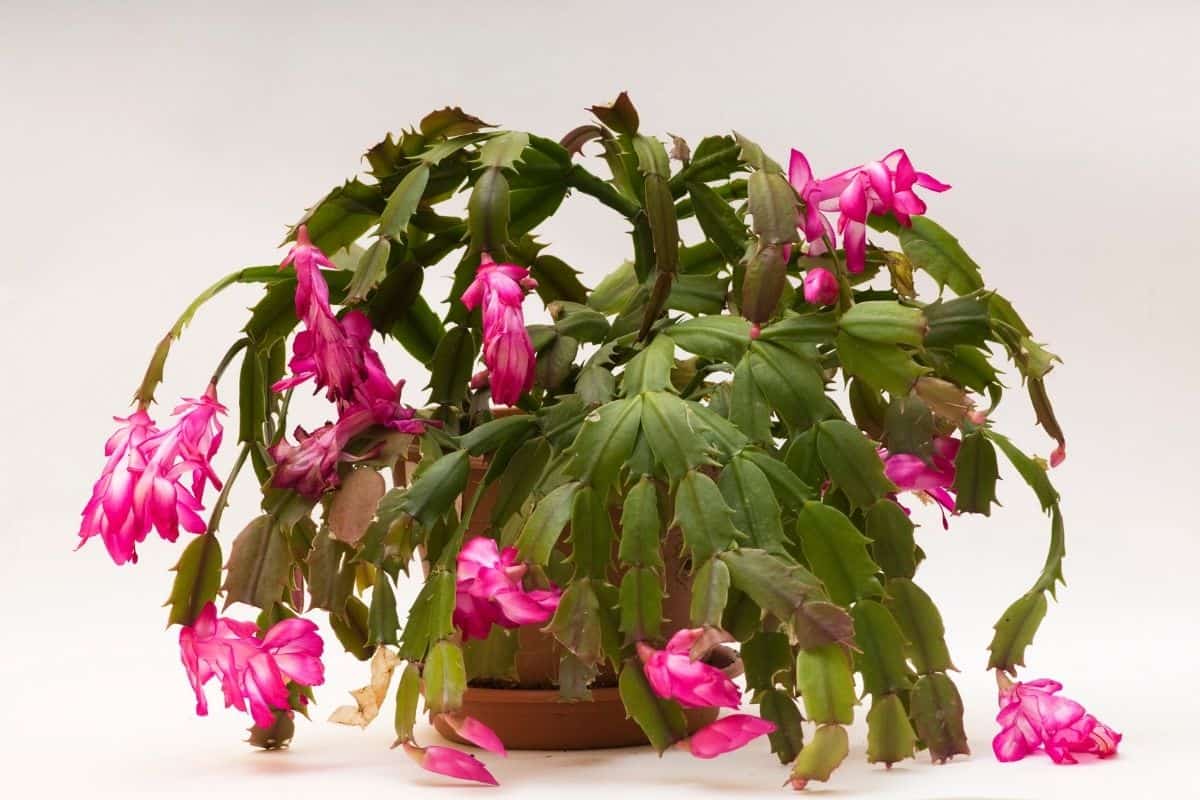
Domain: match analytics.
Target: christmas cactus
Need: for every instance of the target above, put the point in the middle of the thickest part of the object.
(760, 387)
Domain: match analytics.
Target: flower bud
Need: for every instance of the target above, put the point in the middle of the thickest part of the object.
(475, 732)
(450, 762)
(820, 287)
(726, 735)
(1058, 455)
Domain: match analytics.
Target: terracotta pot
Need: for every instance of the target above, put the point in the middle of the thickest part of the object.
(532, 715)
(538, 653)
(538, 719)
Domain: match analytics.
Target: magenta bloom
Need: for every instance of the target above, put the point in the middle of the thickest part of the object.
(489, 590)
(1033, 715)
(934, 479)
(198, 437)
(335, 354)
(877, 187)
(310, 466)
(325, 351)
(451, 762)
(725, 735)
(141, 486)
(253, 671)
(674, 675)
(186, 448)
(507, 348)
(475, 732)
(110, 514)
(820, 287)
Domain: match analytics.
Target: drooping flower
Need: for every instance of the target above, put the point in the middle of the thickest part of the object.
(187, 447)
(253, 671)
(1034, 715)
(934, 478)
(141, 486)
(307, 260)
(335, 354)
(673, 674)
(450, 762)
(199, 438)
(725, 735)
(490, 589)
(877, 187)
(820, 287)
(310, 465)
(324, 352)
(507, 348)
(110, 513)
(475, 732)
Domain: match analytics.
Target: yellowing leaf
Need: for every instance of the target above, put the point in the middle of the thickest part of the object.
(369, 698)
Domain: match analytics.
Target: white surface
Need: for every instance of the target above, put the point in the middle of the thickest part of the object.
(148, 148)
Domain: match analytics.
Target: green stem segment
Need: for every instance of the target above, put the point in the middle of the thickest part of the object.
(734, 190)
(275, 431)
(144, 395)
(214, 520)
(230, 354)
(579, 178)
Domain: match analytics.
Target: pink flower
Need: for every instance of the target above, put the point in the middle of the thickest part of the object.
(877, 187)
(674, 675)
(820, 287)
(934, 478)
(310, 465)
(507, 348)
(110, 514)
(335, 354)
(198, 437)
(725, 735)
(141, 485)
(1033, 715)
(253, 671)
(325, 351)
(489, 590)
(475, 732)
(451, 762)
(187, 447)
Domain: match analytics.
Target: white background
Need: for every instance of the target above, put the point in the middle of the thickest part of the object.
(148, 148)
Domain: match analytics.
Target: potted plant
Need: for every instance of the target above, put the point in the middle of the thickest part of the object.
(716, 444)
